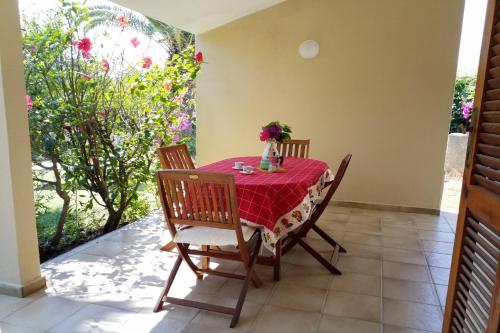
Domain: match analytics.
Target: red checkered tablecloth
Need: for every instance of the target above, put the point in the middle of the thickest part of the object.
(280, 201)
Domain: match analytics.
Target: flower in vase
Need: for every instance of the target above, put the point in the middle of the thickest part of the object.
(275, 131)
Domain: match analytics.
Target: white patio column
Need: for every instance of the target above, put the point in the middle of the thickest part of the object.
(19, 259)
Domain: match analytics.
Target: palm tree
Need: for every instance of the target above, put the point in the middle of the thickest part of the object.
(172, 39)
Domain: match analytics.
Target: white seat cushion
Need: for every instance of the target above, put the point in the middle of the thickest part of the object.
(211, 236)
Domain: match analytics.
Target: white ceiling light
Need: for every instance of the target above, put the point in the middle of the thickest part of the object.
(309, 49)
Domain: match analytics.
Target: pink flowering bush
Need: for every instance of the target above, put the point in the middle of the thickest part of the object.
(122, 21)
(29, 102)
(105, 65)
(199, 57)
(96, 119)
(135, 42)
(147, 62)
(461, 110)
(85, 45)
(467, 109)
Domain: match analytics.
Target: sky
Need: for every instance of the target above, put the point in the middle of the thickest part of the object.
(105, 47)
(470, 42)
(472, 34)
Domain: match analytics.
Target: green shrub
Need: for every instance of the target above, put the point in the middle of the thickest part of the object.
(464, 94)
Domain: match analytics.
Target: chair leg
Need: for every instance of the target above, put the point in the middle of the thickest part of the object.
(288, 244)
(244, 288)
(183, 253)
(327, 238)
(256, 280)
(171, 277)
(277, 261)
(167, 247)
(316, 255)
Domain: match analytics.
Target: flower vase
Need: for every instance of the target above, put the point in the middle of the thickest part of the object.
(269, 149)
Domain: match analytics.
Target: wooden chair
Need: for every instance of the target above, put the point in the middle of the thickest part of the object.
(175, 157)
(294, 148)
(296, 237)
(206, 204)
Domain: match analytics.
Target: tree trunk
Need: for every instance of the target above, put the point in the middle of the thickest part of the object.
(113, 220)
(62, 220)
(65, 208)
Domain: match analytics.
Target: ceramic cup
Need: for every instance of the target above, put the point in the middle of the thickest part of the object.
(247, 169)
(238, 165)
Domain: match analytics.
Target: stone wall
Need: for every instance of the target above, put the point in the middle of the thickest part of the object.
(455, 154)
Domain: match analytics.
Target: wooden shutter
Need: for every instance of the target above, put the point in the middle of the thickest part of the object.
(473, 301)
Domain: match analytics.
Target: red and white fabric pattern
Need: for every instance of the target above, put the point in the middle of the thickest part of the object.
(277, 202)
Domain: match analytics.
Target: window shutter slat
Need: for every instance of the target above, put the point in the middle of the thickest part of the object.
(476, 277)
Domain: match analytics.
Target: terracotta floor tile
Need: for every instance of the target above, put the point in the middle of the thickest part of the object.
(351, 305)
(408, 314)
(273, 319)
(331, 324)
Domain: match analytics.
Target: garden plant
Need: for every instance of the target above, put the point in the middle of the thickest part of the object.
(98, 112)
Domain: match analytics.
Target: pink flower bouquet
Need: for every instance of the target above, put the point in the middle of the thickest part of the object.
(275, 131)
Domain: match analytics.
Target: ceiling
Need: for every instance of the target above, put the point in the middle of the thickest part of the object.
(197, 16)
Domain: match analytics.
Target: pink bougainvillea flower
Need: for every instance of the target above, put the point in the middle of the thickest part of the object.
(182, 122)
(167, 86)
(178, 99)
(135, 42)
(86, 55)
(122, 21)
(104, 113)
(199, 57)
(105, 65)
(467, 109)
(85, 76)
(84, 44)
(147, 62)
(33, 48)
(29, 103)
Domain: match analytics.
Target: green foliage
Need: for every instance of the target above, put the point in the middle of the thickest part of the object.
(42, 199)
(464, 92)
(97, 119)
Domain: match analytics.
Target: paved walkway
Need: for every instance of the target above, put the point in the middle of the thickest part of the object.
(451, 194)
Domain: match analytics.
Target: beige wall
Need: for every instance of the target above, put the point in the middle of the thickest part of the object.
(380, 88)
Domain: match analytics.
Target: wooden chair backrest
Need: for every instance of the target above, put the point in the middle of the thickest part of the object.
(334, 185)
(199, 198)
(175, 157)
(294, 148)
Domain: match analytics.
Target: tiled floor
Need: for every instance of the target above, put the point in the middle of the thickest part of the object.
(450, 201)
(395, 276)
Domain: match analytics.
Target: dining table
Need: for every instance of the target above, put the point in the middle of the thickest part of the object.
(276, 202)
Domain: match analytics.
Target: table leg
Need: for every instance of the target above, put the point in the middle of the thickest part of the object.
(277, 261)
(205, 261)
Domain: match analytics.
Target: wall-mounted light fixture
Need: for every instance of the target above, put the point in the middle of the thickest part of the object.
(309, 49)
